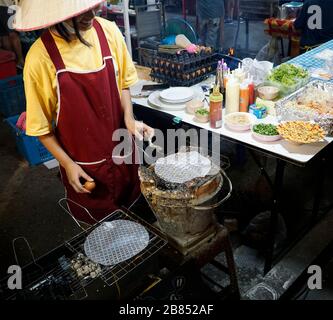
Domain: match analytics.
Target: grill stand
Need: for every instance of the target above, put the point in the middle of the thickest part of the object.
(203, 252)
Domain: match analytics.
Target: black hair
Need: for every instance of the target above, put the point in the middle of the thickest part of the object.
(63, 32)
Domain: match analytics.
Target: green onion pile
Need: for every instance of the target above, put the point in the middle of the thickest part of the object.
(265, 129)
(202, 112)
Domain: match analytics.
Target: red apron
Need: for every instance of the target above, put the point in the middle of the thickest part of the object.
(89, 112)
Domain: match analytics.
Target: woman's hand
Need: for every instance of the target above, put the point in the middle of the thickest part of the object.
(139, 129)
(74, 173)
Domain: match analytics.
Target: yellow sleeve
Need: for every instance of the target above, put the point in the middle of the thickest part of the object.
(40, 91)
(127, 72)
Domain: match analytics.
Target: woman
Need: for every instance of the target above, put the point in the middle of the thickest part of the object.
(77, 77)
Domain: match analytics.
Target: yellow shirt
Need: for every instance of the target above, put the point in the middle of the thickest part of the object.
(40, 74)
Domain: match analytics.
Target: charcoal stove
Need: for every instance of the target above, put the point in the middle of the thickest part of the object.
(185, 212)
(53, 277)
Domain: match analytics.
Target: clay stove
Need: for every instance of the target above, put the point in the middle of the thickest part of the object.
(185, 212)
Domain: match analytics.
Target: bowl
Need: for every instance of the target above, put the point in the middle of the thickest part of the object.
(239, 121)
(265, 138)
(268, 92)
(193, 105)
(201, 118)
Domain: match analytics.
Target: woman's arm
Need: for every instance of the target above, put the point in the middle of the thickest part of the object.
(74, 171)
(136, 128)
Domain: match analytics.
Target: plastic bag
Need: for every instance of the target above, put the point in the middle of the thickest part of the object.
(257, 232)
(257, 69)
(270, 52)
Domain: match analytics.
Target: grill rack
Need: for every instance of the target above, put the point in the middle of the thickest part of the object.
(112, 274)
(61, 269)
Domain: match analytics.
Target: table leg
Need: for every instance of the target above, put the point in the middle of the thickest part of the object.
(247, 26)
(236, 34)
(320, 178)
(280, 166)
(262, 169)
(282, 48)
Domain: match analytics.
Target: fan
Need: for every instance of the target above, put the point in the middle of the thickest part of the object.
(176, 26)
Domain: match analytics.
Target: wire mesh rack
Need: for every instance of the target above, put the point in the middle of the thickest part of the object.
(115, 273)
(56, 279)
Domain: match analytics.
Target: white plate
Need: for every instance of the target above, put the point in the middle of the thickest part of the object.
(176, 102)
(155, 101)
(177, 95)
(116, 241)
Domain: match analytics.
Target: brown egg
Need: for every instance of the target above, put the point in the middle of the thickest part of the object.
(90, 185)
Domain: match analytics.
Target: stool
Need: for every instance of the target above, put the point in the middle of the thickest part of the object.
(205, 253)
(208, 251)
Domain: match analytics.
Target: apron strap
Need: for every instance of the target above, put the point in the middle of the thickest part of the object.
(106, 52)
(55, 55)
(53, 50)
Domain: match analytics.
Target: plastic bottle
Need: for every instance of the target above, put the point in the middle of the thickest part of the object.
(244, 97)
(215, 106)
(251, 91)
(232, 95)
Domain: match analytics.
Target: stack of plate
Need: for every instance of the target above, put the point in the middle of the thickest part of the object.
(174, 99)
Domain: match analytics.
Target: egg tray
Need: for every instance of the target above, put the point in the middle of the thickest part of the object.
(187, 78)
(182, 62)
(203, 68)
(178, 82)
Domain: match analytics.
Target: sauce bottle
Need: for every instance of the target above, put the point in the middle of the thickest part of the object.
(232, 96)
(215, 106)
(244, 97)
(251, 91)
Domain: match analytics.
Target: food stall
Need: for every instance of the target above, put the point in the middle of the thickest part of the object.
(291, 121)
(283, 113)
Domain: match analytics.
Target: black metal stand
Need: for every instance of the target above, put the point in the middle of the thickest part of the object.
(277, 187)
(320, 178)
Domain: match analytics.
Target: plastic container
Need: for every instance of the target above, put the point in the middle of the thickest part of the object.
(29, 147)
(258, 111)
(12, 97)
(7, 64)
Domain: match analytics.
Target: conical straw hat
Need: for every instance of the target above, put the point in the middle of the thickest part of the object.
(39, 14)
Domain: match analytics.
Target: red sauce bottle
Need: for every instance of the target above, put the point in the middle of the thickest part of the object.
(215, 106)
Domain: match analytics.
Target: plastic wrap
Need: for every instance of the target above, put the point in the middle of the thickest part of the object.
(285, 112)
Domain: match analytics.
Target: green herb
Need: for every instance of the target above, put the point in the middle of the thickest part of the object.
(288, 74)
(266, 129)
(202, 112)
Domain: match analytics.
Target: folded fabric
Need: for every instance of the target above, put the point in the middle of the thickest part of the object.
(21, 122)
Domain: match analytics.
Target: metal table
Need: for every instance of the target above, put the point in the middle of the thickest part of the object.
(282, 151)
